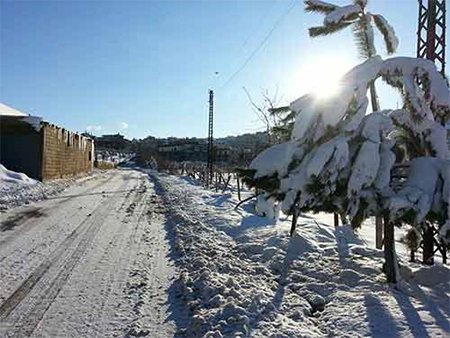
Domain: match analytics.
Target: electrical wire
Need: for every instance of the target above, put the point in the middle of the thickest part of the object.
(262, 43)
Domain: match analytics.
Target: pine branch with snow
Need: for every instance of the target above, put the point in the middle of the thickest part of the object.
(318, 6)
(356, 15)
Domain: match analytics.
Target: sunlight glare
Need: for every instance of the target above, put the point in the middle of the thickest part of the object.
(322, 76)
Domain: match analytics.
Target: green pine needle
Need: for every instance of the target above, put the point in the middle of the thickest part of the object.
(328, 29)
(380, 24)
(319, 7)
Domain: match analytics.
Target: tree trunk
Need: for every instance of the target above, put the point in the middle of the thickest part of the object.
(378, 232)
(428, 247)
(389, 251)
(238, 187)
(374, 97)
(336, 220)
(378, 219)
(294, 222)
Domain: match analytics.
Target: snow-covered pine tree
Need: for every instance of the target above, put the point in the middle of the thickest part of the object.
(424, 200)
(361, 22)
(339, 158)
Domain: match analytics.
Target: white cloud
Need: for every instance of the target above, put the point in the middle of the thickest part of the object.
(124, 125)
(94, 128)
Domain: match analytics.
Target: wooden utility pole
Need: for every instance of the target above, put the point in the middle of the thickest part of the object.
(210, 158)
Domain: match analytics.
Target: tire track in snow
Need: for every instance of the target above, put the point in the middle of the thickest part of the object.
(151, 277)
(10, 249)
(138, 209)
(19, 221)
(89, 227)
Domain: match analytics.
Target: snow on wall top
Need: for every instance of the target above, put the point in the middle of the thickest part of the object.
(34, 121)
(9, 111)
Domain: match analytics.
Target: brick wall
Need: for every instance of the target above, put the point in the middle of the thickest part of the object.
(65, 153)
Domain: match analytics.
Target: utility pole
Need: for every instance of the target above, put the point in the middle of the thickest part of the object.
(431, 46)
(210, 161)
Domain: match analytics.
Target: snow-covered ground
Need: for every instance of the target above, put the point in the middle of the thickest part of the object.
(243, 276)
(17, 189)
(91, 262)
(126, 254)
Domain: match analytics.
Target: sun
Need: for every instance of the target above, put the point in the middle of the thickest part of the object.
(321, 76)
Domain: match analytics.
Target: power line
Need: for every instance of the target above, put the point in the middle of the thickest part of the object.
(262, 43)
(252, 30)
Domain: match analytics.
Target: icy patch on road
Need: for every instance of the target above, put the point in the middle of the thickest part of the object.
(244, 276)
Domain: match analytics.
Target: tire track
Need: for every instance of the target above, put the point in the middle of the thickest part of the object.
(137, 209)
(8, 241)
(19, 221)
(90, 227)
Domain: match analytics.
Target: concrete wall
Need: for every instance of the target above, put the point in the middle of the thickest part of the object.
(20, 147)
(65, 153)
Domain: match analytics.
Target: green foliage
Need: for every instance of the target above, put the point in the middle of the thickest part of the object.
(411, 240)
(384, 32)
(246, 175)
(361, 36)
(316, 186)
(286, 119)
(360, 215)
(409, 217)
(323, 7)
(266, 183)
(294, 164)
(328, 29)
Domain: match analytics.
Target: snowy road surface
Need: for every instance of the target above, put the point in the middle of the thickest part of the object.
(92, 262)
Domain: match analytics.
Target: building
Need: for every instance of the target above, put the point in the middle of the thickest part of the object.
(180, 150)
(114, 141)
(40, 149)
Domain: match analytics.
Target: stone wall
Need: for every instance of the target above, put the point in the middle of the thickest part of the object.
(65, 153)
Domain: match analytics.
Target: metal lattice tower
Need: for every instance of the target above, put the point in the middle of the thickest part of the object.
(431, 32)
(431, 46)
(210, 163)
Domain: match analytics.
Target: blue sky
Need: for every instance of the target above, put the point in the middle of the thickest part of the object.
(144, 67)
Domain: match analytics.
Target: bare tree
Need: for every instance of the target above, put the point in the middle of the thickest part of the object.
(264, 111)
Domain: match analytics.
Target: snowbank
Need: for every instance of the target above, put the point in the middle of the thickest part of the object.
(10, 178)
(243, 276)
(17, 189)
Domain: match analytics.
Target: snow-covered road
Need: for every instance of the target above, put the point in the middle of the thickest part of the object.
(92, 262)
(129, 254)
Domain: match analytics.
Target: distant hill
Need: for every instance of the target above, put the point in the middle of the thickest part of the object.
(253, 140)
